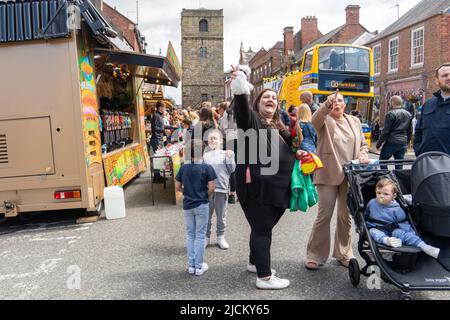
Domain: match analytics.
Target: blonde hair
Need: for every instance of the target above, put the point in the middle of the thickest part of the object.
(387, 182)
(193, 116)
(304, 113)
(396, 101)
(206, 104)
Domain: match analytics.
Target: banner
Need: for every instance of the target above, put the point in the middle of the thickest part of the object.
(290, 90)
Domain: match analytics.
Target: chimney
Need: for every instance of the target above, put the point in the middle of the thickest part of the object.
(288, 34)
(310, 32)
(352, 14)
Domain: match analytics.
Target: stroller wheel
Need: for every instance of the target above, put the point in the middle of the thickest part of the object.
(354, 272)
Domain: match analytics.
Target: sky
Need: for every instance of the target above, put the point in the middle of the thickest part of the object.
(256, 23)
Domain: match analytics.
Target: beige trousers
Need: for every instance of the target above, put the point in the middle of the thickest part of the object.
(319, 241)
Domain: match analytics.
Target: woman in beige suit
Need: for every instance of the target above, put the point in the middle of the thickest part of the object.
(340, 140)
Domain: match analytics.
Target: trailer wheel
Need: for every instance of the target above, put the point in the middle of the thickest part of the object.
(354, 272)
(99, 207)
(406, 296)
(97, 212)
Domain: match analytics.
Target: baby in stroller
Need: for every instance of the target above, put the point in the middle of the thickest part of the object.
(387, 221)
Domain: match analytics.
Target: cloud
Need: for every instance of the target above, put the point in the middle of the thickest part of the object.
(254, 22)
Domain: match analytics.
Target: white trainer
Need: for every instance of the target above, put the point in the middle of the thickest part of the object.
(191, 270)
(223, 244)
(431, 251)
(252, 268)
(273, 283)
(200, 272)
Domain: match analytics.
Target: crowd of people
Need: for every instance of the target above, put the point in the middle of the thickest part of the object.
(214, 173)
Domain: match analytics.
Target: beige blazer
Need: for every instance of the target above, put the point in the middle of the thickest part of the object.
(333, 172)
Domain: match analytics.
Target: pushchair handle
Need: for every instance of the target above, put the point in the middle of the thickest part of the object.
(359, 166)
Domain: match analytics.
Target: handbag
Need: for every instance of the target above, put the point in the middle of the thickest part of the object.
(310, 163)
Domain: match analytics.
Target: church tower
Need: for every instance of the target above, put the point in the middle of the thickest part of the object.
(202, 56)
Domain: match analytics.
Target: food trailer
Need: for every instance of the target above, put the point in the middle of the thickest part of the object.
(71, 106)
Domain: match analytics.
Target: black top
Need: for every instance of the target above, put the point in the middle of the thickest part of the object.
(157, 125)
(397, 128)
(274, 189)
(433, 127)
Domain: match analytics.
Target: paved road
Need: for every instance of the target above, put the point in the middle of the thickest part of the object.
(143, 257)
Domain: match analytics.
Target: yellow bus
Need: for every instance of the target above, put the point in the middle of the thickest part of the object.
(327, 67)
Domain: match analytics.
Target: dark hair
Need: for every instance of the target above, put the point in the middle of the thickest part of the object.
(159, 104)
(276, 120)
(291, 108)
(224, 105)
(206, 115)
(447, 64)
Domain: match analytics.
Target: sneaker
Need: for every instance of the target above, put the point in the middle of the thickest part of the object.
(252, 268)
(200, 272)
(273, 283)
(191, 270)
(431, 251)
(223, 244)
(232, 199)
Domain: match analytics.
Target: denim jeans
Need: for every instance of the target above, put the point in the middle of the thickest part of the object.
(409, 238)
(196, 224)
(396, 150)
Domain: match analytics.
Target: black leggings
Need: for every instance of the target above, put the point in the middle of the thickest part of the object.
(262, 219)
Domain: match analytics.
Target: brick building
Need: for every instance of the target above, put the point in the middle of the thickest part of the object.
(126, 28)
(309, 36)
(202, 56)
(265, 63)
(407, 53)
(287, 55)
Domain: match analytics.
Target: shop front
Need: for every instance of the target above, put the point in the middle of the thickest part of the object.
(80, 125)
(412, 90)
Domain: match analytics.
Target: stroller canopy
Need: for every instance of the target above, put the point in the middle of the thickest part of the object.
(430, 179)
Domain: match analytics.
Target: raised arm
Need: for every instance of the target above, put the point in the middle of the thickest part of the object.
(240, 89)
(318, 119)
(242, 112)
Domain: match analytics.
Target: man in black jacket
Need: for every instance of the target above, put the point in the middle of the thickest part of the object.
(158, 127)
(397, 131)
(433, 127)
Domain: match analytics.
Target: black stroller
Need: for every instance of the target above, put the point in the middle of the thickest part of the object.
(424, 194)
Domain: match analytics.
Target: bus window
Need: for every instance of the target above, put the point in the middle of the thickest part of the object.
(331, 58)
(349, 59)
(357, 60)
(308, 61)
